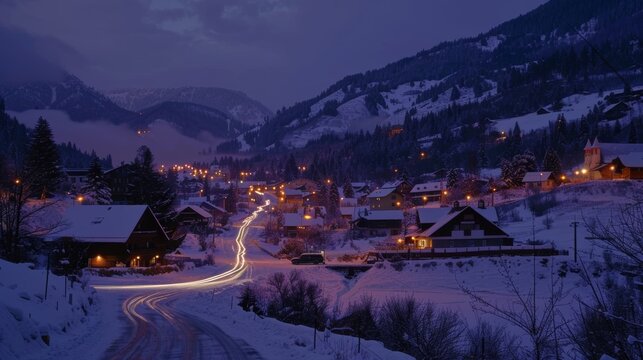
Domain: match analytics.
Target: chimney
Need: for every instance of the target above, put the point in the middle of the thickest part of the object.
(481, 204)
(456, 205)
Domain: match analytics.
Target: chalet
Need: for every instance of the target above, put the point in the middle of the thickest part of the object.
(461, 227)
(385, 199)
(115, 235)
(613, 160)
(293, 196)
(296, 224)
(193, 215)
(378, 222)
(118, 180)
(543, 180)
(430, 192)
(427, 217)
(213, 205)
(75, 178)
(542, 111)
(402, 186)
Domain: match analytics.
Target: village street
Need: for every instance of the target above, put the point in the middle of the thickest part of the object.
(158, 330)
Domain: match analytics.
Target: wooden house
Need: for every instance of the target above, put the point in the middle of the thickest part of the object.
(613, 161)
(115, 235)
(543, 180)
(193, 215)
(378, 222)
(429, 192)
(461, 227)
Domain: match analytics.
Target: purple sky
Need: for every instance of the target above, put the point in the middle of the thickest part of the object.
(277, 51)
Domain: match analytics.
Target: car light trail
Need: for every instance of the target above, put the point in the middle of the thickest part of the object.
(236, 272)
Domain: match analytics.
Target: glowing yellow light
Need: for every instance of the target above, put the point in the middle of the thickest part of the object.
(307, 217)
(98, 258)
(157, 256)
(445, 193)
(80, 199)
(612, 167)
(397, 203)
(17, 181)
(468, 197)
(583, 171)
(494, 189)
(400, 240)
(576, 172)
(563, 177)
(138, 258)
(424, 198)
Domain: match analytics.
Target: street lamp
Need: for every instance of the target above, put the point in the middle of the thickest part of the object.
(612, 168)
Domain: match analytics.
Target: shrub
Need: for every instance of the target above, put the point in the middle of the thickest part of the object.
(398, 265)
(295, 300)
(419, 329)
(291, 248)
(487, 342)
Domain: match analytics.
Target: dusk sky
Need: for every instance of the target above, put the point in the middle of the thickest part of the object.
(277, 51)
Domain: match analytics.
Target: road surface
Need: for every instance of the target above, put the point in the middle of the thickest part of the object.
(160, 331)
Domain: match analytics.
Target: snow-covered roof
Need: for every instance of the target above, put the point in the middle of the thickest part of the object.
(295, 219)
(381, 192)
(100, 223)
(448, 217)
(610, 151)
(346, 210)
(632, 159)
(431, 215)
(294, 192)
(392, 184)
(196, 209)
(488, 212)
(536, 176)
(429, 186)
(381, 215)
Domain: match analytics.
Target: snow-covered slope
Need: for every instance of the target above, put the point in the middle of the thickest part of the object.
(234, 103)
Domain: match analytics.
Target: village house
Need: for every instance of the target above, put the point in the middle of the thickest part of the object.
(210, 204)
(539, 180)
(193, 215)
(115, 235)
(385, 199)
(461, 227)
(75, 179)
(377, 222)
(118, 180)
(297, 224)
(612, 161)
(430, 192)
(429, 216)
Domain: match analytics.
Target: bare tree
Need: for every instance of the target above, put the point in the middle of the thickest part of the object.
(622, 231)
(487, 342)
(536, 319)
(22, 219)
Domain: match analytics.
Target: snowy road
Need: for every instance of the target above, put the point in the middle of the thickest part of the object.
(161, 331)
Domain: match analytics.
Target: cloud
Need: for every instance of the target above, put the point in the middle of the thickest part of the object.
(26, 57)
(279, 51)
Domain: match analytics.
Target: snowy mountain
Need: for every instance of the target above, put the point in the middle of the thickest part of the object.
(235, 104)
(551, 54)
(70, 94)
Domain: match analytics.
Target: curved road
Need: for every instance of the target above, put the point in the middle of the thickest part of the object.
(162, 332)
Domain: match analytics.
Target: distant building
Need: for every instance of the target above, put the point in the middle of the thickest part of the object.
(119, 179)
(613, 160)
(461, 227)
(75, 178)
(296, 224)
(543, 180)
(430, 192)
(116, 235)
(193, 215)
(378, 222)
(385, 199)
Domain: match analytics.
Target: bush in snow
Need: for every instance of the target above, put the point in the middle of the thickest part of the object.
(291, 248)
(539, 204)
(487, 342)
(360, 319)
(295, 300)
(420, 329)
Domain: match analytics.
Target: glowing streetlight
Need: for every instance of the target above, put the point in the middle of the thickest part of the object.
(17, 181)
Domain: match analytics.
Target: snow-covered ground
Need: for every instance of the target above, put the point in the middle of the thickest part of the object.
(439, 281)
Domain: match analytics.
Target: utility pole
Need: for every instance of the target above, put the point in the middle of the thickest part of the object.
(575, 226)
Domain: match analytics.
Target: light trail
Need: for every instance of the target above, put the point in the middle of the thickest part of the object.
(226, 277)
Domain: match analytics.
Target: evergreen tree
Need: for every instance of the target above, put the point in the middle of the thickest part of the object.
(483, 160)
(231, 200)
(453, 178)
(333, 200)
(632, 137)
(96, 190)
(290, 171)
(42, 163)
(551, 162)
(348, 188)
(322, 199)
(149, 187)
(455, 93)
